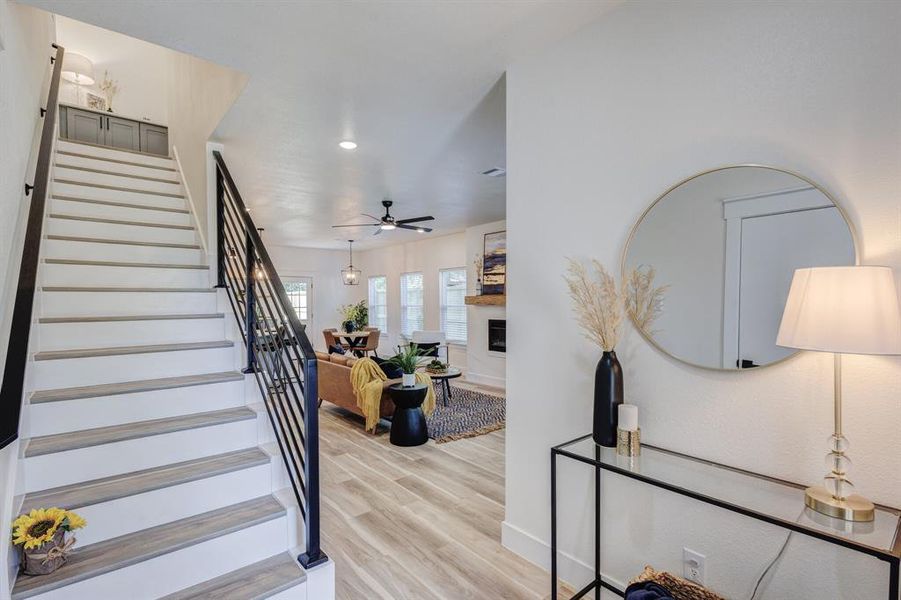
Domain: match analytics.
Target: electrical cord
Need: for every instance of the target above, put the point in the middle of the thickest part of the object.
(773, 562)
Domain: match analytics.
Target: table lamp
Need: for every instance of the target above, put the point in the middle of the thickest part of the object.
(843, 310)
(79, 70)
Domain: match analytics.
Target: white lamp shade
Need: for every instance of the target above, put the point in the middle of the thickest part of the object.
(852, 310)
(77, 69)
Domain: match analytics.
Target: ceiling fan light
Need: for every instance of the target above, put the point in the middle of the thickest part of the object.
(387, 226)
(420, 230)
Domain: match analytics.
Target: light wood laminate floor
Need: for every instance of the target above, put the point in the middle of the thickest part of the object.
(417, 523)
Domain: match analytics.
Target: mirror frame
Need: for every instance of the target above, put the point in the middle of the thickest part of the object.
(854, 240)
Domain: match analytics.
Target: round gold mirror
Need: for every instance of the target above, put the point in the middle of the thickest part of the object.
(724, 245)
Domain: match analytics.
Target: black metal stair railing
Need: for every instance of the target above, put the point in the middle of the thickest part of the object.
(23, 306)
(279, 353)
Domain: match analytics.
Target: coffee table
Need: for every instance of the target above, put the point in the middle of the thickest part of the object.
(443, 380)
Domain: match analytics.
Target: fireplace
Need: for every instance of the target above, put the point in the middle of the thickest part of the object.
(497, 335)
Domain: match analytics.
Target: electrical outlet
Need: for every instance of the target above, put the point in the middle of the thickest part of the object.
(694, 566)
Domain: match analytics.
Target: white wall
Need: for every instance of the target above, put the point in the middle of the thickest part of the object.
(25, 38)
(488, 368)
(329, 292)
(140, 68)
(428, 255)
(597, 128)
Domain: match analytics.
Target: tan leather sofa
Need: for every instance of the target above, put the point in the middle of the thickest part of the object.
(335, 386)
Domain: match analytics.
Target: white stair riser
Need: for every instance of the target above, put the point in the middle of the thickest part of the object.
(72, 372)
(121, 252)
(115, 167)
(178, 570)
(91, 275)
(102, 334)
(56, 304)
(115, 231)
(63, 468)
(121, 213)
(60, 188)
(143, 185)
(48, 418)
(143, 159)
(134, 513)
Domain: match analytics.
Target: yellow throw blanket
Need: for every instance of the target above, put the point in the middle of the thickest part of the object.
(367, 379)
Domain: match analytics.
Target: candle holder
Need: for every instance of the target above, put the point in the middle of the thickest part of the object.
(628, 443)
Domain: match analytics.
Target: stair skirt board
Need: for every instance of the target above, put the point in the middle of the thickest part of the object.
(150, 564)
(50, 418)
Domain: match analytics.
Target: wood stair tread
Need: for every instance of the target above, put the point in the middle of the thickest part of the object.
(106, 489)
(121, 350)
(109, 318)
(123, 551)
(183, 211)
(62, 442)
(119, 221)
(253, 582)
(92, 240)
(132, 387)
(114, 263)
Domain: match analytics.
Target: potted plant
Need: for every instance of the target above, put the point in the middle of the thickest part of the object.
(407, 360)
(41, 538)
(436, 366)
(354, 315)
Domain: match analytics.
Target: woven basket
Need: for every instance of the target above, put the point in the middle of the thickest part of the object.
(681, 589)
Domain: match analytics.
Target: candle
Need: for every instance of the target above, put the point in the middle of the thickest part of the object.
(628, 417)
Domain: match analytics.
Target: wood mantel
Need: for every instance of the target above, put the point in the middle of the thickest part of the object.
(487, 300)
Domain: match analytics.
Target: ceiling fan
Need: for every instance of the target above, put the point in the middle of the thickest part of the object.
(387, 223)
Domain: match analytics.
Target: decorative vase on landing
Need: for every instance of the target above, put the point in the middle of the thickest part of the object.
(608, 395)
(349, 326)
(408, 379)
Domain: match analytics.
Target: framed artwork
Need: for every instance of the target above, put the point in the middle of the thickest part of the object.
(94, 101)
(494, 270)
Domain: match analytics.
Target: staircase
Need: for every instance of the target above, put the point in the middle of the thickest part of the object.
(139, 417)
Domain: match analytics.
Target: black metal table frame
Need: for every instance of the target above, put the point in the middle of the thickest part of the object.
(892, 557)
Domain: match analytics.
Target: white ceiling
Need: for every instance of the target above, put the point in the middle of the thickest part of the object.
(418, 85)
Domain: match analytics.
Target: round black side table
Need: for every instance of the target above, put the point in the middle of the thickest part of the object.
(408, 426)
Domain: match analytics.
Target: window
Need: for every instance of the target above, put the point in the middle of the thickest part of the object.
(410, 303)
(298, 291)
(378, 302)
(453, 304)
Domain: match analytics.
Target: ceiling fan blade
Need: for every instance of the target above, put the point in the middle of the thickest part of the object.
(378, 231)
(358, 225)
(412, 227)
(371, 217)
(416, 220)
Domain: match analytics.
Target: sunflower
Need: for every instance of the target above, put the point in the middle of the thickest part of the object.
(73, 521)
(37, 527)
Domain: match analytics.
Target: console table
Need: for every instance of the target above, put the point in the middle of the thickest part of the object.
(759, 497)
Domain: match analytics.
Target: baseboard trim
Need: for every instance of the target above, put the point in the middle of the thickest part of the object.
(570, 569)
(489, 380)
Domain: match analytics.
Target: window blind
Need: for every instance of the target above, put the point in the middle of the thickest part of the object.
(453, 304)
(410, 303)
(378, 302)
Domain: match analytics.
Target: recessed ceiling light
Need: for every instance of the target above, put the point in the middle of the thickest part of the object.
(348, 145)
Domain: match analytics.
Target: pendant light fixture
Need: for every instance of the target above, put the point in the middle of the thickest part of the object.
(351, 276)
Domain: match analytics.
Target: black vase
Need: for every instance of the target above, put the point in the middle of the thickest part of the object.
(349, 326)
(608, 395)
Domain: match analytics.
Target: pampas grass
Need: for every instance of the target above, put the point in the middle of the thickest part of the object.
(599, 303)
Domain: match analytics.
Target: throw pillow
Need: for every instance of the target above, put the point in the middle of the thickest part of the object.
(335, 350)
(392, 371)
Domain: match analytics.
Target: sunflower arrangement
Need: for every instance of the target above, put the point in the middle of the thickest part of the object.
(41, 534)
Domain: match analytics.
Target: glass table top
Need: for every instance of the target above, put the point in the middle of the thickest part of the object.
(767, 497)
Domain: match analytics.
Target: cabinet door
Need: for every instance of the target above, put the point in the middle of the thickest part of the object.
(154, 139)
(122, 133)
(84, 126)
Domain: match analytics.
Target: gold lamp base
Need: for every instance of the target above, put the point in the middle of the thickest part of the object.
(852, 508)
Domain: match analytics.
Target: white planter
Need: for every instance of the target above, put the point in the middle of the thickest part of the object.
(409, 379)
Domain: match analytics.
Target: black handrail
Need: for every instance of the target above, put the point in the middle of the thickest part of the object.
(17, 350)
(276, 344)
